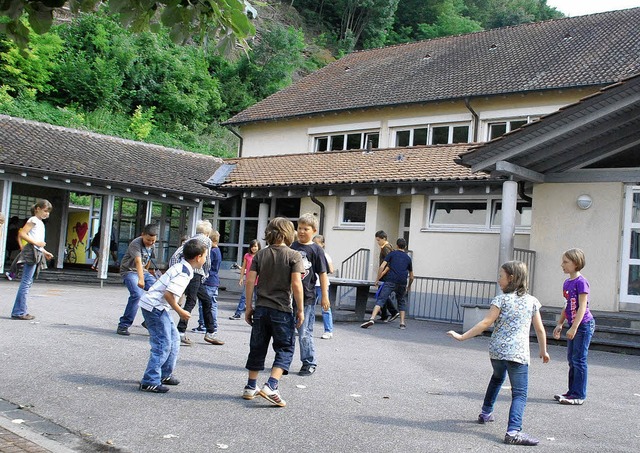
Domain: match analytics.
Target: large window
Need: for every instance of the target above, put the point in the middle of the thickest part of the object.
(479, 213)
(345, 141)
(440, 134)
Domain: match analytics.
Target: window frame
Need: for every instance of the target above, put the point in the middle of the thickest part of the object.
(488, 226)
(341, 212)
(508, 127)
(364, 134)
(430, 129)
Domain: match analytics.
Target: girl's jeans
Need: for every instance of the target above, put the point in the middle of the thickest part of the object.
(20, 304)
(577, 350)
(242, 304)
(519, 378)
(327, 317)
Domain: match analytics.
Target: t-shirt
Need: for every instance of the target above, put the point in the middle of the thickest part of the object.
(178, 255)
(314, 263)
(174, 280)
(274, 265)
(37, 231)
(136, 249)
(400, 265)
(384, 251)
(571, 290)
(248, 257)
(329, 261)
(216, 258)
(510, 337)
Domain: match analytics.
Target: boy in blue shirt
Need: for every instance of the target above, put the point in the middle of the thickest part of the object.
(395, 269)
(163, 334)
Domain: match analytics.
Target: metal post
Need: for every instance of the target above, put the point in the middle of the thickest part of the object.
(5, 206)
(106, 225)
(263, 221)
(508, 223)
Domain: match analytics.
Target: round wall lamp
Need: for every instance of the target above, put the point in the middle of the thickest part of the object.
(584, 201)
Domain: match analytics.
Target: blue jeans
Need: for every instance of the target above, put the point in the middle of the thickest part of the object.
(519, 378)
(307, 346)
(577, 351)
(327, 317)
(242, 303)
(165, 345)
(212, 291)
(20, 304)
(130, 280)
(270, 323)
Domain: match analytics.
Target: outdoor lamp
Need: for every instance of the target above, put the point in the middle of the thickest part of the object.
(584, 201)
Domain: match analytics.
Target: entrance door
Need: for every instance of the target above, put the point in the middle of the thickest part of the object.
(405, 222)
(630, 278)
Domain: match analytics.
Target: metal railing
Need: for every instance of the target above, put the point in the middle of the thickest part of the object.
(356, 267)
(441, 299)
(528, 257)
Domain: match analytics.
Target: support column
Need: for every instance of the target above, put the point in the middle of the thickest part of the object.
(5, 207)
(263, 221)
(106, 225)
(508, 223)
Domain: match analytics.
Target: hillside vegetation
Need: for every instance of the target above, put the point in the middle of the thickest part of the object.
(90, 73)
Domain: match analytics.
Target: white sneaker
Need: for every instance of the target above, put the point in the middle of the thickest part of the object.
(248, 393)
(273, 396)
(185, 340)
(327, 336)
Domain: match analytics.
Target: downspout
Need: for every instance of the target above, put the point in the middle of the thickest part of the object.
(321, 222)
(523, 195)
(476, 119)
(240, 138)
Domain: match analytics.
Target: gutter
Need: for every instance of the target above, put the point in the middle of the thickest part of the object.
(321, 222)
(233, 131)
(476, 119)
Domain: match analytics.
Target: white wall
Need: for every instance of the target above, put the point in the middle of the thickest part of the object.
(558, 225)
(293, 135)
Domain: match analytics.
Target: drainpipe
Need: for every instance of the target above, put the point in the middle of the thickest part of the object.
(240, 138)
(321, 222)
(523, 195)
(476, 119)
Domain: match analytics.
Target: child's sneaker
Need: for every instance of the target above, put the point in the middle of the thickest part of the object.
(154, 388)
(559, 397)
(520, 439)
(571, 401)
(367, 324)
(199, 329)
(10, 275)
(327, 336)
(170, 380)
(185, 340)
(250, 393)
(273, 396)
(235, 317)
(482, 418)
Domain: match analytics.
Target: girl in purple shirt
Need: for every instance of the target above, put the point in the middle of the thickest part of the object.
(576, 294)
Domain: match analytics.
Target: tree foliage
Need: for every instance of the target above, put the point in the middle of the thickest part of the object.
(222, 21)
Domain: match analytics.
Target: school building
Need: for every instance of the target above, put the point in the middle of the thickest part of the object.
(473, 147)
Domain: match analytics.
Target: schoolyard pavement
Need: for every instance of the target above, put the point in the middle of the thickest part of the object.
(69, 383)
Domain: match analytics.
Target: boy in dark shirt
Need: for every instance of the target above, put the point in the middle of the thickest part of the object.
(396, 268)
(314, 263)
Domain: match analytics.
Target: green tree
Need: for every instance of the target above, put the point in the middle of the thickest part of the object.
(221, 21)
(500, 13)
(450, 21)
(32, 68)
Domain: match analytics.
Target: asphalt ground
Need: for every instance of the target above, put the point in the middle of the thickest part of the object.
(74, 382)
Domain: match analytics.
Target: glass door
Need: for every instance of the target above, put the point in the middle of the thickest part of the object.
(630, 278)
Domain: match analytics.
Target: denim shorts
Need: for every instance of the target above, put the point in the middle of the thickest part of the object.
(268, 324)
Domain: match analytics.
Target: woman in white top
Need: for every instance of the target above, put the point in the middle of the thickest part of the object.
(34, 254)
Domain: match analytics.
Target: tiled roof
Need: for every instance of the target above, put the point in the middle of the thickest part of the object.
(339, 168)
(597, 49)
(61, 152)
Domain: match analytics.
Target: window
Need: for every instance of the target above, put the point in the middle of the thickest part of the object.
(352, 140)
(523, 214)
(353, 211)
(475, 214)
(433, 135)
(500, 128)
(458, 213)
